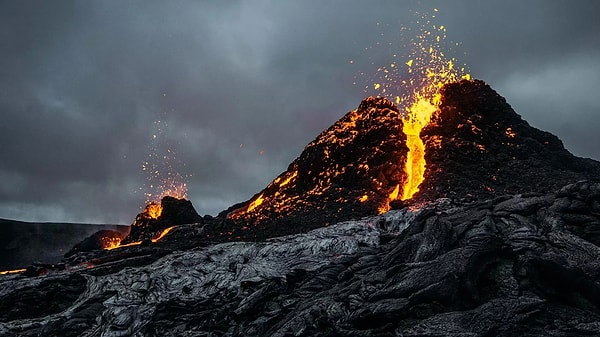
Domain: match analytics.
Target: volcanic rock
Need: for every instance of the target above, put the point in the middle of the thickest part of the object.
(476, 146)
(99, 240)
(348, 171)
(173, 212)
(522, 265)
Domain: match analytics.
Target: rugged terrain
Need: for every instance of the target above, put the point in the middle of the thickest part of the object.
(22, 243)
(502, 240)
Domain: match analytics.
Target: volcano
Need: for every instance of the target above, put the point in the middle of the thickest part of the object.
(502, 238)
(477, 147)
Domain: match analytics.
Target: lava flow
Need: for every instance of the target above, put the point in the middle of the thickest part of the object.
(428, 69)
(117, 244)
(15, 271)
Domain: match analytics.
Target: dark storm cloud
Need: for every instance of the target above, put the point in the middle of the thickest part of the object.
(81, 85)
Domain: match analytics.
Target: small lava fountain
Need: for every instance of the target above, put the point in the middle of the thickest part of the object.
(162, 181)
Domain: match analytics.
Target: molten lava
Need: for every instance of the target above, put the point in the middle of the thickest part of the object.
(116, 243)
(151, 213)
(15, 271)
(419, 115)
(428, 69)
(162, 234)
(257, 202)
(153, 210)
(109, 243)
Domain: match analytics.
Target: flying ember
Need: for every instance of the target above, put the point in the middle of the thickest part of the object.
(162, 176)
(427, 70)
(162, 180)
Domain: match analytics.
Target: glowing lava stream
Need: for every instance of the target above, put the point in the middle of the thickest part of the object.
(154, 240)
(419, 115)
(16, 271)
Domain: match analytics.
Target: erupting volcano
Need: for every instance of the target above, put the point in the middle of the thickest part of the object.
(371, 157)
(433, 208)
(467, 143)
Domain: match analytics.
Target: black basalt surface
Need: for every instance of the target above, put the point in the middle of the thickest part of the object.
(514, 265)
(346, 172)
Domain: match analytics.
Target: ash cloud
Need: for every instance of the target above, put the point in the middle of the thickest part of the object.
(81, 85)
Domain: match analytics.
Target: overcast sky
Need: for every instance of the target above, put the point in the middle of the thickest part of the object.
(240, 87)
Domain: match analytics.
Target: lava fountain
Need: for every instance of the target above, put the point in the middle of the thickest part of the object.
(162, 180)
(428, 69)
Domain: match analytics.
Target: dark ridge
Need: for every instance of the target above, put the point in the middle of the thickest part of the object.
(477, 146)
(22, 243)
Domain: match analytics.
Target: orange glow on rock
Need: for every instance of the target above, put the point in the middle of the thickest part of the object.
(162, 234)
(510, 133)
(288, 179)
(394, 193)
(116, 242)
(255, 203)
(125, 245)
(109, 243)
(15, 271)
(154, 210)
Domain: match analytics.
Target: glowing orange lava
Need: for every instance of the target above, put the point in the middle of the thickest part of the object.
(15, 271)
(109, 243)
(154, 210)
(162, 234)
(117, 243)
(255, 203)
(419, 115)
(428, 69)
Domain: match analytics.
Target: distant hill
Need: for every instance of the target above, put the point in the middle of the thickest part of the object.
(22, 243)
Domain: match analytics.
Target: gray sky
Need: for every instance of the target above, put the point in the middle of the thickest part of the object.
(82, 84)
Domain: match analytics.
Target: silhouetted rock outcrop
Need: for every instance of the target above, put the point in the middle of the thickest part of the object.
(172, 212)
(477, 146)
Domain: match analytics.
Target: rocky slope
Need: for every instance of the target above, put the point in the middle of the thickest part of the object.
(477, 146)
(524, 265)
